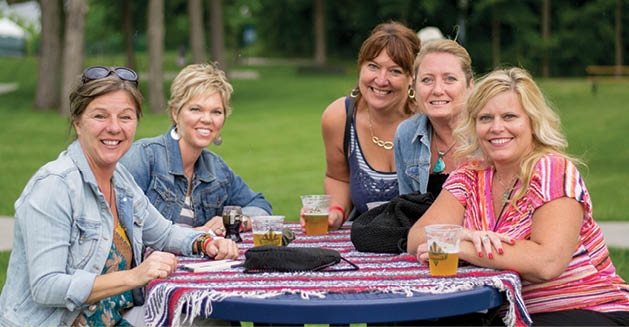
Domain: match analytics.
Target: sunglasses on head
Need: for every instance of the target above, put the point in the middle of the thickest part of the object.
(98, 72)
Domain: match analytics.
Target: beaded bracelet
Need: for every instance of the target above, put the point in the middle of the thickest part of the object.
(199, 243)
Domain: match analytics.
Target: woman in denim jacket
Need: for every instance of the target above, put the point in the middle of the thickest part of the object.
(82, 224)
(423, 143)
(187, 183)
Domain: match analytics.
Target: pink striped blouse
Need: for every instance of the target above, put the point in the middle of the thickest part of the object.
(590, 280)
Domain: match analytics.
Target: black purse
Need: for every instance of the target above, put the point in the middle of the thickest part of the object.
(271, 258)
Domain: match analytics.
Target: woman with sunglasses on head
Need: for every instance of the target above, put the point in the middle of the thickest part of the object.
(82, 224)
(358, 129)
(525, 207)
(187, 183)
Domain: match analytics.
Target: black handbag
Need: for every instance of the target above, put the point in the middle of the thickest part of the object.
(271, 258)
(384, 229)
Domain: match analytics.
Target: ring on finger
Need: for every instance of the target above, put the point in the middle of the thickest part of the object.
(485, 237)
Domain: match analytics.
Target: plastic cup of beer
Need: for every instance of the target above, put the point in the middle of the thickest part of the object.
(443, 248)
(316, 209)
(267, 230)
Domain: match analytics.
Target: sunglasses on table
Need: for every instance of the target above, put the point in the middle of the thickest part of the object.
(98, 72)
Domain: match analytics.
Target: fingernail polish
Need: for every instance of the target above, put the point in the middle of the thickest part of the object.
(491, 256)
(501, 251)
(480, 254)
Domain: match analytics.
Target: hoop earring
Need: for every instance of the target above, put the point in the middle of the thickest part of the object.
(411, 92)
(355, 92)
(174, 135)
(218, 140)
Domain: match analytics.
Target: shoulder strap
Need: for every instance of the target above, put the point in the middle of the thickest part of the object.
(350, 108)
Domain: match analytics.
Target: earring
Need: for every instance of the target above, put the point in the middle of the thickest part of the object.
(355, 92)
(411, 92)
(173, 133)
(218, 140)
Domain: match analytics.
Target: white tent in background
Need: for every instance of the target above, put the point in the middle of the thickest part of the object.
(10, 29)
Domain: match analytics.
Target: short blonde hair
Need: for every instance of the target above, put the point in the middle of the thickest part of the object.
(197, 79)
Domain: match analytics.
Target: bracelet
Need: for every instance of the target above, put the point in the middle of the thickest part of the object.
(205, 244)
(340, 209)
(198, 247)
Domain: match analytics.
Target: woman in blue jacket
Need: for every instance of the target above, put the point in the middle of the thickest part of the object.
(187, 183)
(82, 224)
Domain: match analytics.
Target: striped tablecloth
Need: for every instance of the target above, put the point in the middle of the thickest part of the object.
(386, 273)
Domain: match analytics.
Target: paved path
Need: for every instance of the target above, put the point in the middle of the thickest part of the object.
(8, 87)
(616, 233)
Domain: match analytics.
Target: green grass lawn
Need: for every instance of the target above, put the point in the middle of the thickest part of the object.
(273, 137)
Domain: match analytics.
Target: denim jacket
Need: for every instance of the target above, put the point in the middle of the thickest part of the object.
(157, 167)
(63, 234)
(412, 154)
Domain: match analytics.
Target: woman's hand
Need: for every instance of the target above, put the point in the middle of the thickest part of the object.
(157, 265)
(335, 219)
(222, 248)
(422, 253)
(215, 225)
(484, 241)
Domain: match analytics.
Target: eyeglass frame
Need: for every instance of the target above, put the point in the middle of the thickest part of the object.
(135, 79)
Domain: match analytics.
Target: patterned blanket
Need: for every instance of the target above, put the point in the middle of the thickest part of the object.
(167, 298)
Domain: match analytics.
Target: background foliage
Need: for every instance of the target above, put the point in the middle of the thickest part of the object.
(581, 31)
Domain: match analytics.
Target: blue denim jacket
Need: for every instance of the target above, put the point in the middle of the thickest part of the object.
(412, 154)
(157, 167)
(63, 234)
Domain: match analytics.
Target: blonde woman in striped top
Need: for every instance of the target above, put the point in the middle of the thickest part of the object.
(525, 207)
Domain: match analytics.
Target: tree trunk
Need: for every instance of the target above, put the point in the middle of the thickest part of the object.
(197, 43)
(545, 37)
(319, 31)
(47, 94)
(495, 36)
(619, 45)
(72, 49)
(216, 34)
(128, 33)
(156, 55)
(462, 6)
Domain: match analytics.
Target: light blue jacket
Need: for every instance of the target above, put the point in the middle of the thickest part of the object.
(157, 167)
(63, 234)
(412, 154)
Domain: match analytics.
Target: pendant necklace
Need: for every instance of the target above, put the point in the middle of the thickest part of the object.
(440, 165)
(387, 145)
(508, 188)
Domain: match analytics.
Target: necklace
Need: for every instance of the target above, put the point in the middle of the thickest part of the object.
(508, 188)
(387, 145)
(111, 196)
(440, 165)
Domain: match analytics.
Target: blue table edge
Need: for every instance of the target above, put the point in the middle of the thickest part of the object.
(365, 307)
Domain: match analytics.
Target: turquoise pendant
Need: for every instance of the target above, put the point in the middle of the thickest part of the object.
(439, 165)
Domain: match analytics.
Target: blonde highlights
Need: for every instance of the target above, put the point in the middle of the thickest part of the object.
(545, 123)
(197, 79)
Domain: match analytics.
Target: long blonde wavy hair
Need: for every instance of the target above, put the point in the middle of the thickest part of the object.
(547, 135)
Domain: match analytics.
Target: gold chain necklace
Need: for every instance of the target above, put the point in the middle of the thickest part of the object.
(387, 145)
